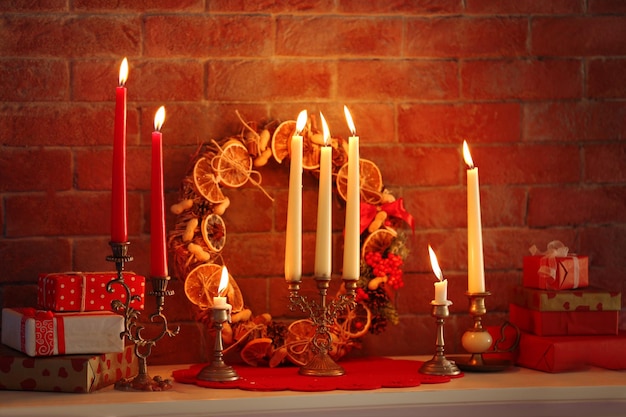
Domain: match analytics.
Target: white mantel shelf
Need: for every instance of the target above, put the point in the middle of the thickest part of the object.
(515, 392)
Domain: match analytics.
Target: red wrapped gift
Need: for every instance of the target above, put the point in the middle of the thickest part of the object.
(555, 269)
(587, 299)
(44, 333)
(68, 373)
(564, 323)
(567, 353)
(86, 291)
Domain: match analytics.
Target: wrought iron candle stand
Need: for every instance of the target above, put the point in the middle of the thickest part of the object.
(132, 330)
(217, 370)
(439, 365)
(323, 315)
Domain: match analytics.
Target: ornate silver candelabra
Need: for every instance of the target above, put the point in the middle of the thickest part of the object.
(217, 370)
(439, 365)
(323, 314)
(132, 330)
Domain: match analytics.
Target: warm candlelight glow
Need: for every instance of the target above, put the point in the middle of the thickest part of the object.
(159, 118)
(434, 264)
(223, 282)
(123, 72)
(325, 130)
(349, 121)
(301, 122)
(467, 156)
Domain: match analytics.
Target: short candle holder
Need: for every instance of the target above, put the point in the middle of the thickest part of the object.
(439, 365)
(132, 330)
(217, 370)
(323, 315)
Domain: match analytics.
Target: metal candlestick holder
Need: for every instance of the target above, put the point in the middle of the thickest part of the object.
(439, 365)
(323, 315)
(217, 370)
(132, 330)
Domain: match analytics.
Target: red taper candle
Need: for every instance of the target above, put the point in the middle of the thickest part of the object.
(158, 247)
(119, 228)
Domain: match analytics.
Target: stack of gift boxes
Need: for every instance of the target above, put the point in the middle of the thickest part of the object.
(72, 341)
(565, 324)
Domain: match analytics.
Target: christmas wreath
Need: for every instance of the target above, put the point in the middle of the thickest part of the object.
(200, 235)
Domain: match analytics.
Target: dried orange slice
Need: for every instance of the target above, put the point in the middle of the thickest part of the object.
(370, 178)
(281, 140)
(310, 152)
(214, 232)
(299, 341)
(278, 356)
(378, 241)
(354, 322)
(257, 352)
(233, 164)
(206, 181)
(202, 283)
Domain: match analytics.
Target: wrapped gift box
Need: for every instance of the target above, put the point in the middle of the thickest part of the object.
(68, 373)
(556, 273)
(568, 353)
(44, 333)
(86, 291)
(564, 323)
(587, 299)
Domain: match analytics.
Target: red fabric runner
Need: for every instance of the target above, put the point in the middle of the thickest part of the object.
(361, 374)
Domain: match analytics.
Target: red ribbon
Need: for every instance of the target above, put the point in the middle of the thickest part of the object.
(393, 209)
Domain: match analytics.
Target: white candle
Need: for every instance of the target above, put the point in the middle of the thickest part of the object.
(475, 264)
(293, 244)
(352, 244)
(219, 302)
(441, 287)
(323, 236)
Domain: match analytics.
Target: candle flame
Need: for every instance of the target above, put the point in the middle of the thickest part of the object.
(301, 122)
(325, 130)
(159, 118)
(221, 290)
(349, 120)
(123, 72)
(434, 264)
(467, 156)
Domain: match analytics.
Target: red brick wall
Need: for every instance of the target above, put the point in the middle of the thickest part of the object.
(537, 88)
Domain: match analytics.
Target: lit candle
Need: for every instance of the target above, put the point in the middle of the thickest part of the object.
(475, 266)
(158, 250)
(219, 302)
(441, 287)
(352, 244)
(119, 228)
(323, 237)
(293, 244)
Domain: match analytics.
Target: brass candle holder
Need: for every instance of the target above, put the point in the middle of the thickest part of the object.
(323, 314)
(439, 365)
(217, 370)
(133, 331)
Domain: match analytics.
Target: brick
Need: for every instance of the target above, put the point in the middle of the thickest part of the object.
(605, 163)
(143, 6)
(34, 80)
(19, 295)
(397, 79)
(56, 36)
(552, 206)
(96, 80)
(164, 81)
(606, 78)
(260, 252)
(301, 36)
(255, 293)
(289, 6)
(262, 80)
(27, 169)
(449, 244)
(532, 164)
(452, 123)
(41, 6)
(521, 79)
(63, 124)
(250, 211)
(13, 252)
(604, 245)
(578, 36)
(606, 6)
(167, 351)
(524, 7)
(466, 37)
(185, 123)
(400, 7)
(207, 36)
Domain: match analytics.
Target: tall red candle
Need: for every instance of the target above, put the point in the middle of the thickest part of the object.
(158, 249)
(119, 228)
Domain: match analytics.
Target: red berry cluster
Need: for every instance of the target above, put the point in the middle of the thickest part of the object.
(389, 267)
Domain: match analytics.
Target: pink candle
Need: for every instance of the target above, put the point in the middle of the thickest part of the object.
(158, 247)
(119, 229)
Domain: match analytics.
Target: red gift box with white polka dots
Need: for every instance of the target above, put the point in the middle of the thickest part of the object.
(87, 291)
